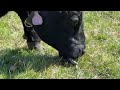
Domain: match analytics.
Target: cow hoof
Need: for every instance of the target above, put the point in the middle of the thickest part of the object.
(35, 45)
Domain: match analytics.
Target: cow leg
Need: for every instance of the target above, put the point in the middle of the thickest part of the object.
(33, 40)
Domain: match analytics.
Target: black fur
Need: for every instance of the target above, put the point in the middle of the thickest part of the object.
(63, 30)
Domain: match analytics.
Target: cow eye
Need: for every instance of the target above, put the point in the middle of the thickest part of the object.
(75, 20)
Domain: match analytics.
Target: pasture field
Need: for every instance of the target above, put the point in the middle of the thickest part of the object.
(101, 60)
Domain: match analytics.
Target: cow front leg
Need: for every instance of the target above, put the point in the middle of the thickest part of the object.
(33, 40)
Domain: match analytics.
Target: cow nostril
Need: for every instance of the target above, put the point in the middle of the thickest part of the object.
(82, 51)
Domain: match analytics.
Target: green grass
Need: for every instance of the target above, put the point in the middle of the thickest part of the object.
(101, 60)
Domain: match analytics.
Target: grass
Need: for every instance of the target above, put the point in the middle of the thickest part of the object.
(101, 60)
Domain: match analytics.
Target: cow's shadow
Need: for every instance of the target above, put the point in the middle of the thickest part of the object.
(17, 61)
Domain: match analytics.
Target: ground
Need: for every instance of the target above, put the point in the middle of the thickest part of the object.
(101, 60)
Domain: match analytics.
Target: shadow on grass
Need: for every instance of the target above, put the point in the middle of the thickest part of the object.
(13, 62)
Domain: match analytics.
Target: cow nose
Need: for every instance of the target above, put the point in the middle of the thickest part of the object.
(82, 51)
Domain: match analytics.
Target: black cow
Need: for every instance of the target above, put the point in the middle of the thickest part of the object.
(63, 30)
(33, 41)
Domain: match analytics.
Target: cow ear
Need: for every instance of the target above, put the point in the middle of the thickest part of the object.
(37, 19)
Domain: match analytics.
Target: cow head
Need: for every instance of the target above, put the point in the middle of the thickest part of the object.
(63, 30)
